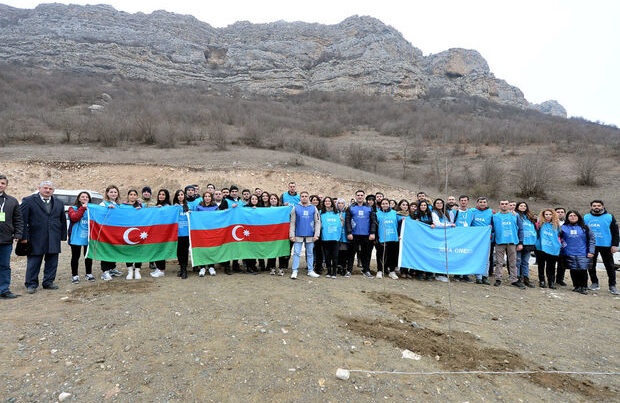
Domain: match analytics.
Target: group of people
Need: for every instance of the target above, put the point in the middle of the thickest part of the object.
(333, 232)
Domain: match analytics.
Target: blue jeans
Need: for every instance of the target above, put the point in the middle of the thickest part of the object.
(5, 267)
(33, 267)
(309, 255)
(523, 262)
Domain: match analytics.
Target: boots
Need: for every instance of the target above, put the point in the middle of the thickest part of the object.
(136, 274)
(183, 272)
(129, 273)
(526, 281)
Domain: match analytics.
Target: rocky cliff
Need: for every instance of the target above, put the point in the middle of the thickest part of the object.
(360, 54)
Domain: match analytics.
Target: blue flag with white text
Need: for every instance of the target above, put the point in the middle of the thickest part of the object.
(425, 248)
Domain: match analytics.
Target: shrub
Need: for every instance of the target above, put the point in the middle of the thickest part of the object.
(533, 175)
(587, 166)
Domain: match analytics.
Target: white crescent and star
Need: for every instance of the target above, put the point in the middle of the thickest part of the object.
(234, 233)
(143, 235)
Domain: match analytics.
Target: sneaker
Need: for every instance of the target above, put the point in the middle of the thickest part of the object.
(347, 274)
(313, 274)
(613, 290)
(594, 287)
(280, 272)
(211, 271)
(294, 274)
(115, 273)
(443, 279)
(202, 272)
(497, 283)
(542, 284)
(129, 273)
(136, 274)
(272, 272)
(157, 273)
(90, 277)
(379, 274)
(368, 274)
(582, 290)
(75, 279)
(106, 276)
(393, 275)
(485, 281)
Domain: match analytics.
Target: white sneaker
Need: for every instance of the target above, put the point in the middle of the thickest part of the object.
(294, 274)
(202, 272)
(129, 273)
(75, 279)
(443, 279)
(106, 275)
(379, 274)
(90, 277)
(211, 271)
(272, 272)
(157, 273)
(136, 274)
(280, 272)
(313, 274)
(393, 275)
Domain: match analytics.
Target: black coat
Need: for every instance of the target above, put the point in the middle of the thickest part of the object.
(44, 231)
(13, 225)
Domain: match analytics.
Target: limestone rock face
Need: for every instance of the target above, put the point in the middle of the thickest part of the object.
(360, 54)
(551, 107)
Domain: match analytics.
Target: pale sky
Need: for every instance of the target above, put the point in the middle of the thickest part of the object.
(563, 50)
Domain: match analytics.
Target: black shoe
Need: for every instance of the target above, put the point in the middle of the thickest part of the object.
(552, 286)
(179, 272)
(152, 266)
(582, 290)
(8, 295)
(518, 284)
(31, 290)
(526, 282)
(497, 283)
(183, 274)
(466, 279)
(562, 283)
(542, 284)
(478, 281)
(227, 270)
(50, 287)
(485, 281)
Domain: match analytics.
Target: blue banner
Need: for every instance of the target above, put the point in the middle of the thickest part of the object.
(425, 248)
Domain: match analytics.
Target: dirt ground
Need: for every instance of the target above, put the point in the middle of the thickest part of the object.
(268, 338)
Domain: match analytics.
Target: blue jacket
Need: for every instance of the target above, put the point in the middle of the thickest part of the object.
(44, 231)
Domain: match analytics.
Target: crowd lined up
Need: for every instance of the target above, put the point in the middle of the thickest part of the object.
(333, 231)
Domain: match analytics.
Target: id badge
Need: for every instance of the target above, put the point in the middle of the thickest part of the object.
(2, 217)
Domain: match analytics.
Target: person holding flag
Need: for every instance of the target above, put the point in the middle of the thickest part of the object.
(78, 236)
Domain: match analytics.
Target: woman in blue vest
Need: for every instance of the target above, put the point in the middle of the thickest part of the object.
(578, 246)
(183, 242)
(78, 236)
(133, 269)
(548, 246)
(318, 248)
(344, 247)
(111, 199)
(331, 231)
(387, 240)
(529, 243)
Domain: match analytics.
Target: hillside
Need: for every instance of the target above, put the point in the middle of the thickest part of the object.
(360, 54)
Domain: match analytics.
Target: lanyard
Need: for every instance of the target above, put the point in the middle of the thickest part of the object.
(3, 203)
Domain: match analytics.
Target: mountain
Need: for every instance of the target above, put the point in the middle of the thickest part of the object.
(360, 54)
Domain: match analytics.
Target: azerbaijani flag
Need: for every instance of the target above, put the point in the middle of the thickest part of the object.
(238, 233)
(132, 235)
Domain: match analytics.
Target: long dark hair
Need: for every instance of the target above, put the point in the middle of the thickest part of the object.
(419, 214)
(441, 212)
(137, 202)
(175, 199)
(527, 213)
(166, 201)
(78, 203)
(334, 207)
(202, 202)
(580, 221)
(258, 202)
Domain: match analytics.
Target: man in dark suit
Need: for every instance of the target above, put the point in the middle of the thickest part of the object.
(45, 226)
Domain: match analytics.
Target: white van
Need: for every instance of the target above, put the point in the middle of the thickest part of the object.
(67, 197)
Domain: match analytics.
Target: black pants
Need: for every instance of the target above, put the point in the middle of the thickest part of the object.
(75, 259)
(346, 257)
(561, 269)
(107, 266)
(580, 278)
(138, 265)
(318, 256)
(608, 261)
(160, 264)
(330, 252)
(282, 262)
(183, 251)
(491, 256)
(362, 244)
(546, 263)
(388, 263)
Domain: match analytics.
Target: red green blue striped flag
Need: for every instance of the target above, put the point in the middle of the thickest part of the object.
(238, 233)
(132, 235)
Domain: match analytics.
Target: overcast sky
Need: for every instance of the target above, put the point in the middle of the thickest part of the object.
(563, 50)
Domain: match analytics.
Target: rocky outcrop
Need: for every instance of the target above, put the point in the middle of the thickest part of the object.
(551, 107)
(360, 54)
